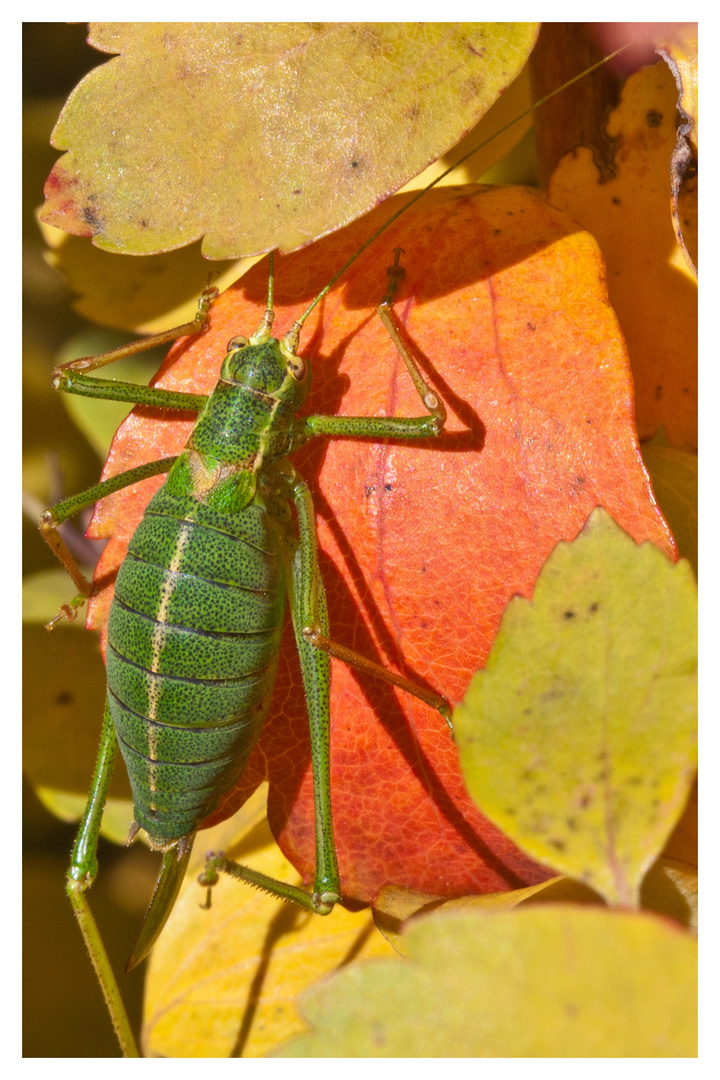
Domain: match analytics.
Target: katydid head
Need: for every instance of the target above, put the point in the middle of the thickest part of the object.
(267, 366)
(263, 363)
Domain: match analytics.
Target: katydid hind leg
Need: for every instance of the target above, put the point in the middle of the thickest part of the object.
(313, 620)
(302, 575)
(315, 666)
(80, 876)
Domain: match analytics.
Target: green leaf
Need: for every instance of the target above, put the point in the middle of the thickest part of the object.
(578, 738)
(551, 980)
(674, 476)
(263, 135)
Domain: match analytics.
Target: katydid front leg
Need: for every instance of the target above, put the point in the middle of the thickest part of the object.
(50, 520)
(72, 378)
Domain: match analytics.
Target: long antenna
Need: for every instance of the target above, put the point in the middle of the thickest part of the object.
(293, 332)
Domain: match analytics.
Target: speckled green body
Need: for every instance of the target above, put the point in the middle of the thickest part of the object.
(196, 622)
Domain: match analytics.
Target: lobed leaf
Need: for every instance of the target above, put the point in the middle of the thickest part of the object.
(548, 981)
(578, 738)
(303, 126)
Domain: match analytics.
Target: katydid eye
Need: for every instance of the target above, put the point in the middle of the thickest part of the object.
(296, 367)
(238, 342)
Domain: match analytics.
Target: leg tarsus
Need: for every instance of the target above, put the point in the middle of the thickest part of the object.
(216, 863)
(395, 274)
(67, 612)
(49, 531)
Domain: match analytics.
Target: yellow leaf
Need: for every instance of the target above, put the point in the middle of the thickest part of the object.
(553, 980)
(681, 55)
(674, 476)
(394, 905)
(682, 844)
(43, 593)
(63, 700)
(629, 215)
(223, 982)
(671, 888)
(263, 135)
(143, 295)
(116, 820)
(578, 738)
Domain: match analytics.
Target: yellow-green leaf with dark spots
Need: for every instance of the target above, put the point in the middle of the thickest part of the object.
(303, 126)
(578, 737)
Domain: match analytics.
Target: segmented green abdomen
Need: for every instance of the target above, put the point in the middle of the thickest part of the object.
(193, 645)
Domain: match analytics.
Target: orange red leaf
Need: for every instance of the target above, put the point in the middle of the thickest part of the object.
(423, 545)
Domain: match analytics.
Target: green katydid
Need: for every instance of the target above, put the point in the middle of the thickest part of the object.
(235, 486)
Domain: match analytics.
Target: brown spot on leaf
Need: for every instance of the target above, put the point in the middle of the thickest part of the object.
(91, 217)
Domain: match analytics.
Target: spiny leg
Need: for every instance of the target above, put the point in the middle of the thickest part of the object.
(72, 378)
(303, 579)
(81, 874)
(386, 427)
(375, 427)
(429, 398)
(195, 326)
